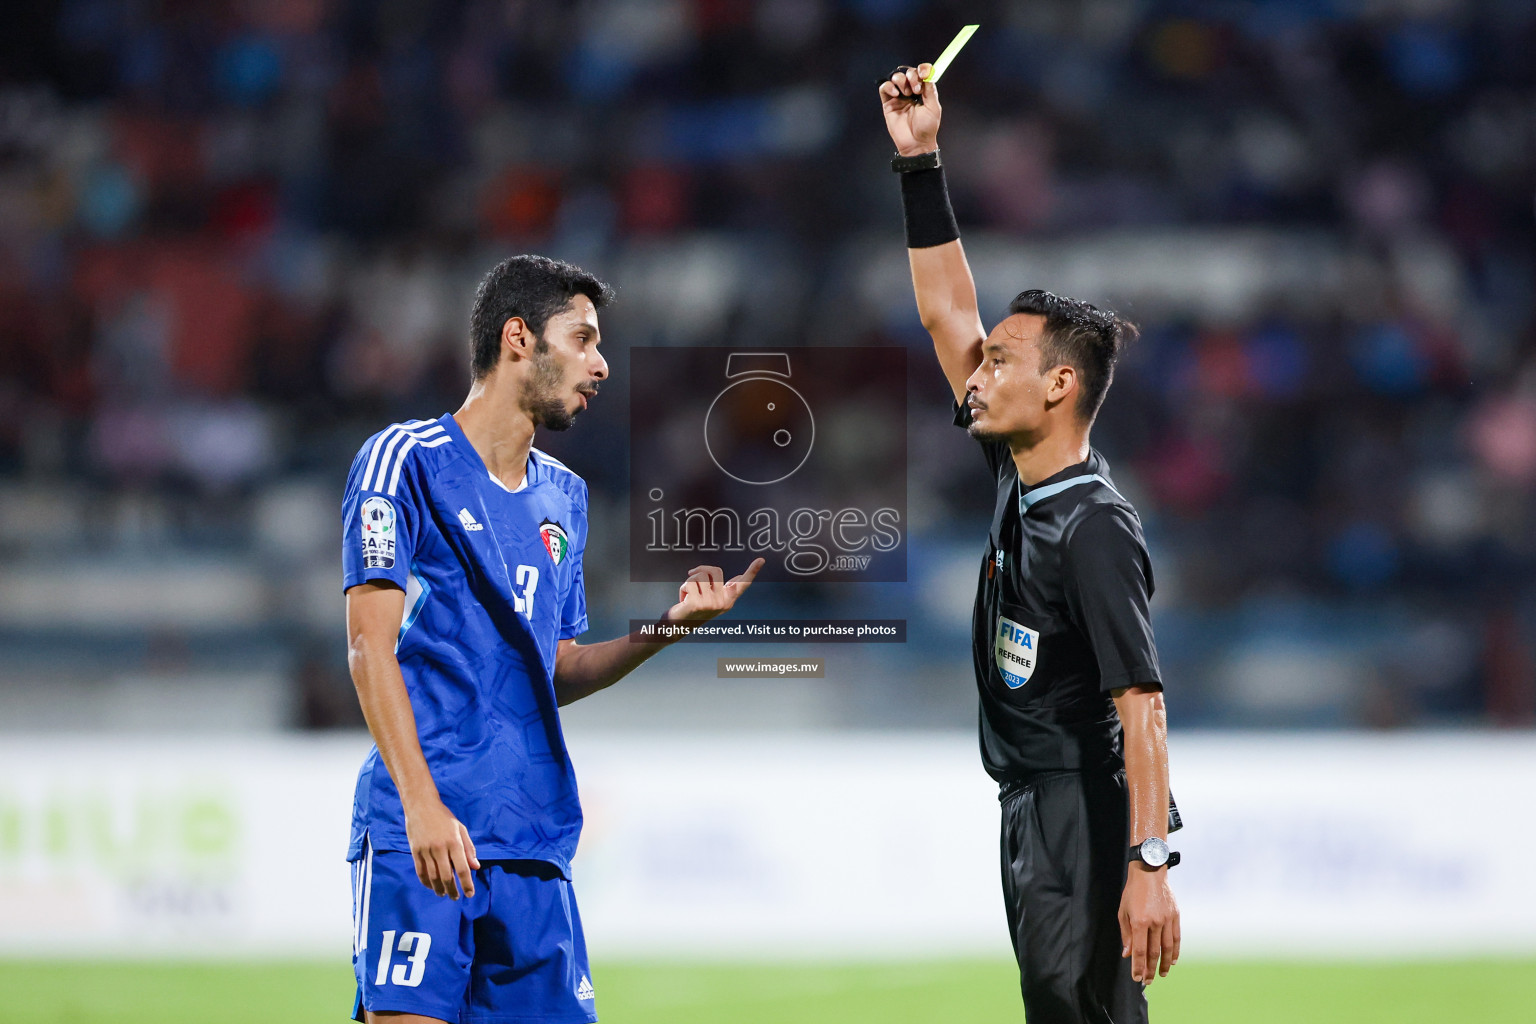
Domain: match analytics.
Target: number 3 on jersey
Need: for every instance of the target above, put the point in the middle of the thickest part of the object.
(528, 580)
(410, 973)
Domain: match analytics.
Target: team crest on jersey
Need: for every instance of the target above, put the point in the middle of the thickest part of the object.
(378, 533)
(555, 540)
(1015, 650)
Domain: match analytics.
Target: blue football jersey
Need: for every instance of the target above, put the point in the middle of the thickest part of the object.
(493, 582)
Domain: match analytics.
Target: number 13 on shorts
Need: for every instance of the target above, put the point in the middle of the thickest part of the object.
(413, 968)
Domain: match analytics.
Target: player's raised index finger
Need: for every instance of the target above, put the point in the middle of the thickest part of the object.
(746, 578)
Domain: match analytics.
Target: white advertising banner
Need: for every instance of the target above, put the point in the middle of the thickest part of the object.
(845, 844)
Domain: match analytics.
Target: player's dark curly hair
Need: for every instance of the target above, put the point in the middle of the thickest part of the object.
(532, 287)
(1081, 336)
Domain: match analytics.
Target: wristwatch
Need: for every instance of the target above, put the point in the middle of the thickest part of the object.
(922, 162)
(1154, 853)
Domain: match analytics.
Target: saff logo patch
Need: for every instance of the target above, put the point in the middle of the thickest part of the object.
(1015, 650)
(378, 533)
(555, 540)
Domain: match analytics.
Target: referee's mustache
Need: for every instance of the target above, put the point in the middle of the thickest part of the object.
(975, 403)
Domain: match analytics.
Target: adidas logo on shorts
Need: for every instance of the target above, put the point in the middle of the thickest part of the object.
(584, 990)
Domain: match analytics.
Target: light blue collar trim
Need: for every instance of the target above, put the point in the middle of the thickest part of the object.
(1028, 498)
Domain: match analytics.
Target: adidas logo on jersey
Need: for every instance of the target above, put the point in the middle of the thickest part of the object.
(468, 520)
(584, 990)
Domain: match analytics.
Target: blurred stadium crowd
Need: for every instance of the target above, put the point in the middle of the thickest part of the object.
(238, 237)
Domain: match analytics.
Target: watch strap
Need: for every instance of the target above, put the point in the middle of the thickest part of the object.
(922, 162)
(1173, 856)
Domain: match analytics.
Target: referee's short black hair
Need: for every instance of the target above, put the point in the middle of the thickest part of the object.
(1084, 337)
(532, 287)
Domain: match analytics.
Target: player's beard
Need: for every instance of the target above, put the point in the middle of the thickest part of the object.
(540, 393)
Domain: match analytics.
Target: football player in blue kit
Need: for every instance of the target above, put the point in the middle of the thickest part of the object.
(463, 579)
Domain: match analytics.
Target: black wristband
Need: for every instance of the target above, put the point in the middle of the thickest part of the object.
(922, 162)
(925, 202)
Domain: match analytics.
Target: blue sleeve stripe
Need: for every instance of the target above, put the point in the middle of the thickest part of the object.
(1039, 494)
(384, 451)
(417, 590)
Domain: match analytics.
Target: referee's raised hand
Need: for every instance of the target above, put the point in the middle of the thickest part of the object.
(914, 127)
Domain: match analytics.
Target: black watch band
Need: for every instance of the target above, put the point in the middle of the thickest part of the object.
(922, 162)
(1172, 861)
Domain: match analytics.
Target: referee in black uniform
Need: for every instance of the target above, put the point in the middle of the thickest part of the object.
(1073, 725)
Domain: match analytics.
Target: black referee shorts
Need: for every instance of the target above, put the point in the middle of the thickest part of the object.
(1064, 844)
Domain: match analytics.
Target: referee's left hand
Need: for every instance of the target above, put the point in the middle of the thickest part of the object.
(706, 593)
(1149, 923)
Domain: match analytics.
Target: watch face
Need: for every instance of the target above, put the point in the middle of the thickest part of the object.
(1154, 852)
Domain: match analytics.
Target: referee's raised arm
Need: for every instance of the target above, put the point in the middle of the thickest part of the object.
(946, 294)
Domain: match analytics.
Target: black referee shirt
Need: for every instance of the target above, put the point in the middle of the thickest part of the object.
(1060, 620)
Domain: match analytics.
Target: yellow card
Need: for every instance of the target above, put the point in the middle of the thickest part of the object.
(950, 52)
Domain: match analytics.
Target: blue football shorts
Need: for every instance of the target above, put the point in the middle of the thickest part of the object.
(511, 954)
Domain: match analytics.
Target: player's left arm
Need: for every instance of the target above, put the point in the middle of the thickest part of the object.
(583, 669)
(1109, 590)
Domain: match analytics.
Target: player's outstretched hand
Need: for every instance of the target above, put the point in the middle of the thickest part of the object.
(1149, 924)
(706, 593)
(914, 127)
(443, 852)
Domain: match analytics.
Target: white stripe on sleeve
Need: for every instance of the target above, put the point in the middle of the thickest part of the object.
(394, 477)
(392, 450)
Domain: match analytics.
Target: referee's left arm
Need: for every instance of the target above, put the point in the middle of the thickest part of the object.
(1149, 915)
(1109, 592)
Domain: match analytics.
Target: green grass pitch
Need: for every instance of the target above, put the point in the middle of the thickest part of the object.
(1484, 991)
